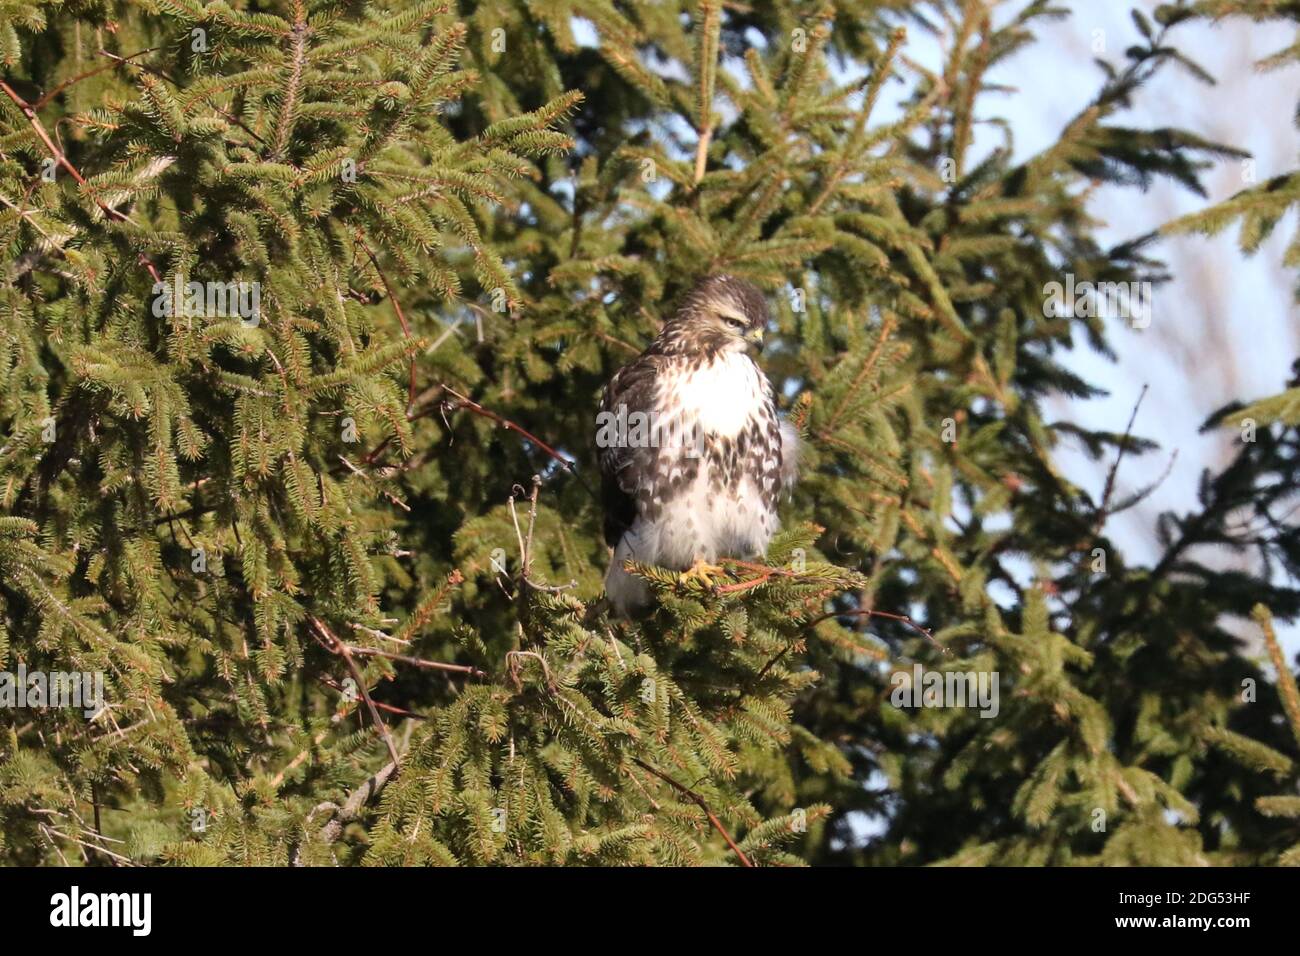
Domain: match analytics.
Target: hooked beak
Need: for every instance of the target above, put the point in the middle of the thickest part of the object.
(755, 335)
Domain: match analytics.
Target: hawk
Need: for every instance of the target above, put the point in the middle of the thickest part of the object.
(693, 456)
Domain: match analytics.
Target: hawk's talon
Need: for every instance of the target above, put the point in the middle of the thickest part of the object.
(703, 572)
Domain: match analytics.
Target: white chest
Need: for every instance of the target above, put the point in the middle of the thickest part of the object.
(721, 396)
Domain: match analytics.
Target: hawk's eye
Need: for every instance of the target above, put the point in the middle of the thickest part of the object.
(736, 324)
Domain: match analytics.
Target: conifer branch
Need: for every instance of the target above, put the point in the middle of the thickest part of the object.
(699, 802)
(706, 70)
(881, 72)
(887, 328)
(63, 161)
(361, 474)
(289, 109)
(229, 117)
(1286, 682)
(315, 145)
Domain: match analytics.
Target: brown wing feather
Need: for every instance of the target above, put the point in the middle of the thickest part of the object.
(624, 471)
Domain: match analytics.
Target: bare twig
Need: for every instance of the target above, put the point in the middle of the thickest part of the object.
(119, 60)
(532, 521)
(416, 661)
(297, 761)
(512, 664)
(333, 644)
(1109, 490)
(505, 423)
(901, 618)
(372, 787)
(117, 858)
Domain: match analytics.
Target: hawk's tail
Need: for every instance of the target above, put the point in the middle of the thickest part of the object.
(627, 594)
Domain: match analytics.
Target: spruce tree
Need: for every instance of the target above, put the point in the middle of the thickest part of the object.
(339, 556)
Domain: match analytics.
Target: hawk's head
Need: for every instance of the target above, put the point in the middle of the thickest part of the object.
(721, 314)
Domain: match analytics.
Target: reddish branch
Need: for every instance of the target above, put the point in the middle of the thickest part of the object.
(401, 317)
(39, 128)
(699, 802)
(331, 643)
(386, 708)
(765, 574)
(119, 60)
(505, 423)
(462, 401)
(901, 618)
(416, 661)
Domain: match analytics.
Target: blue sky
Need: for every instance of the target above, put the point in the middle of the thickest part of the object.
(1227, 325)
